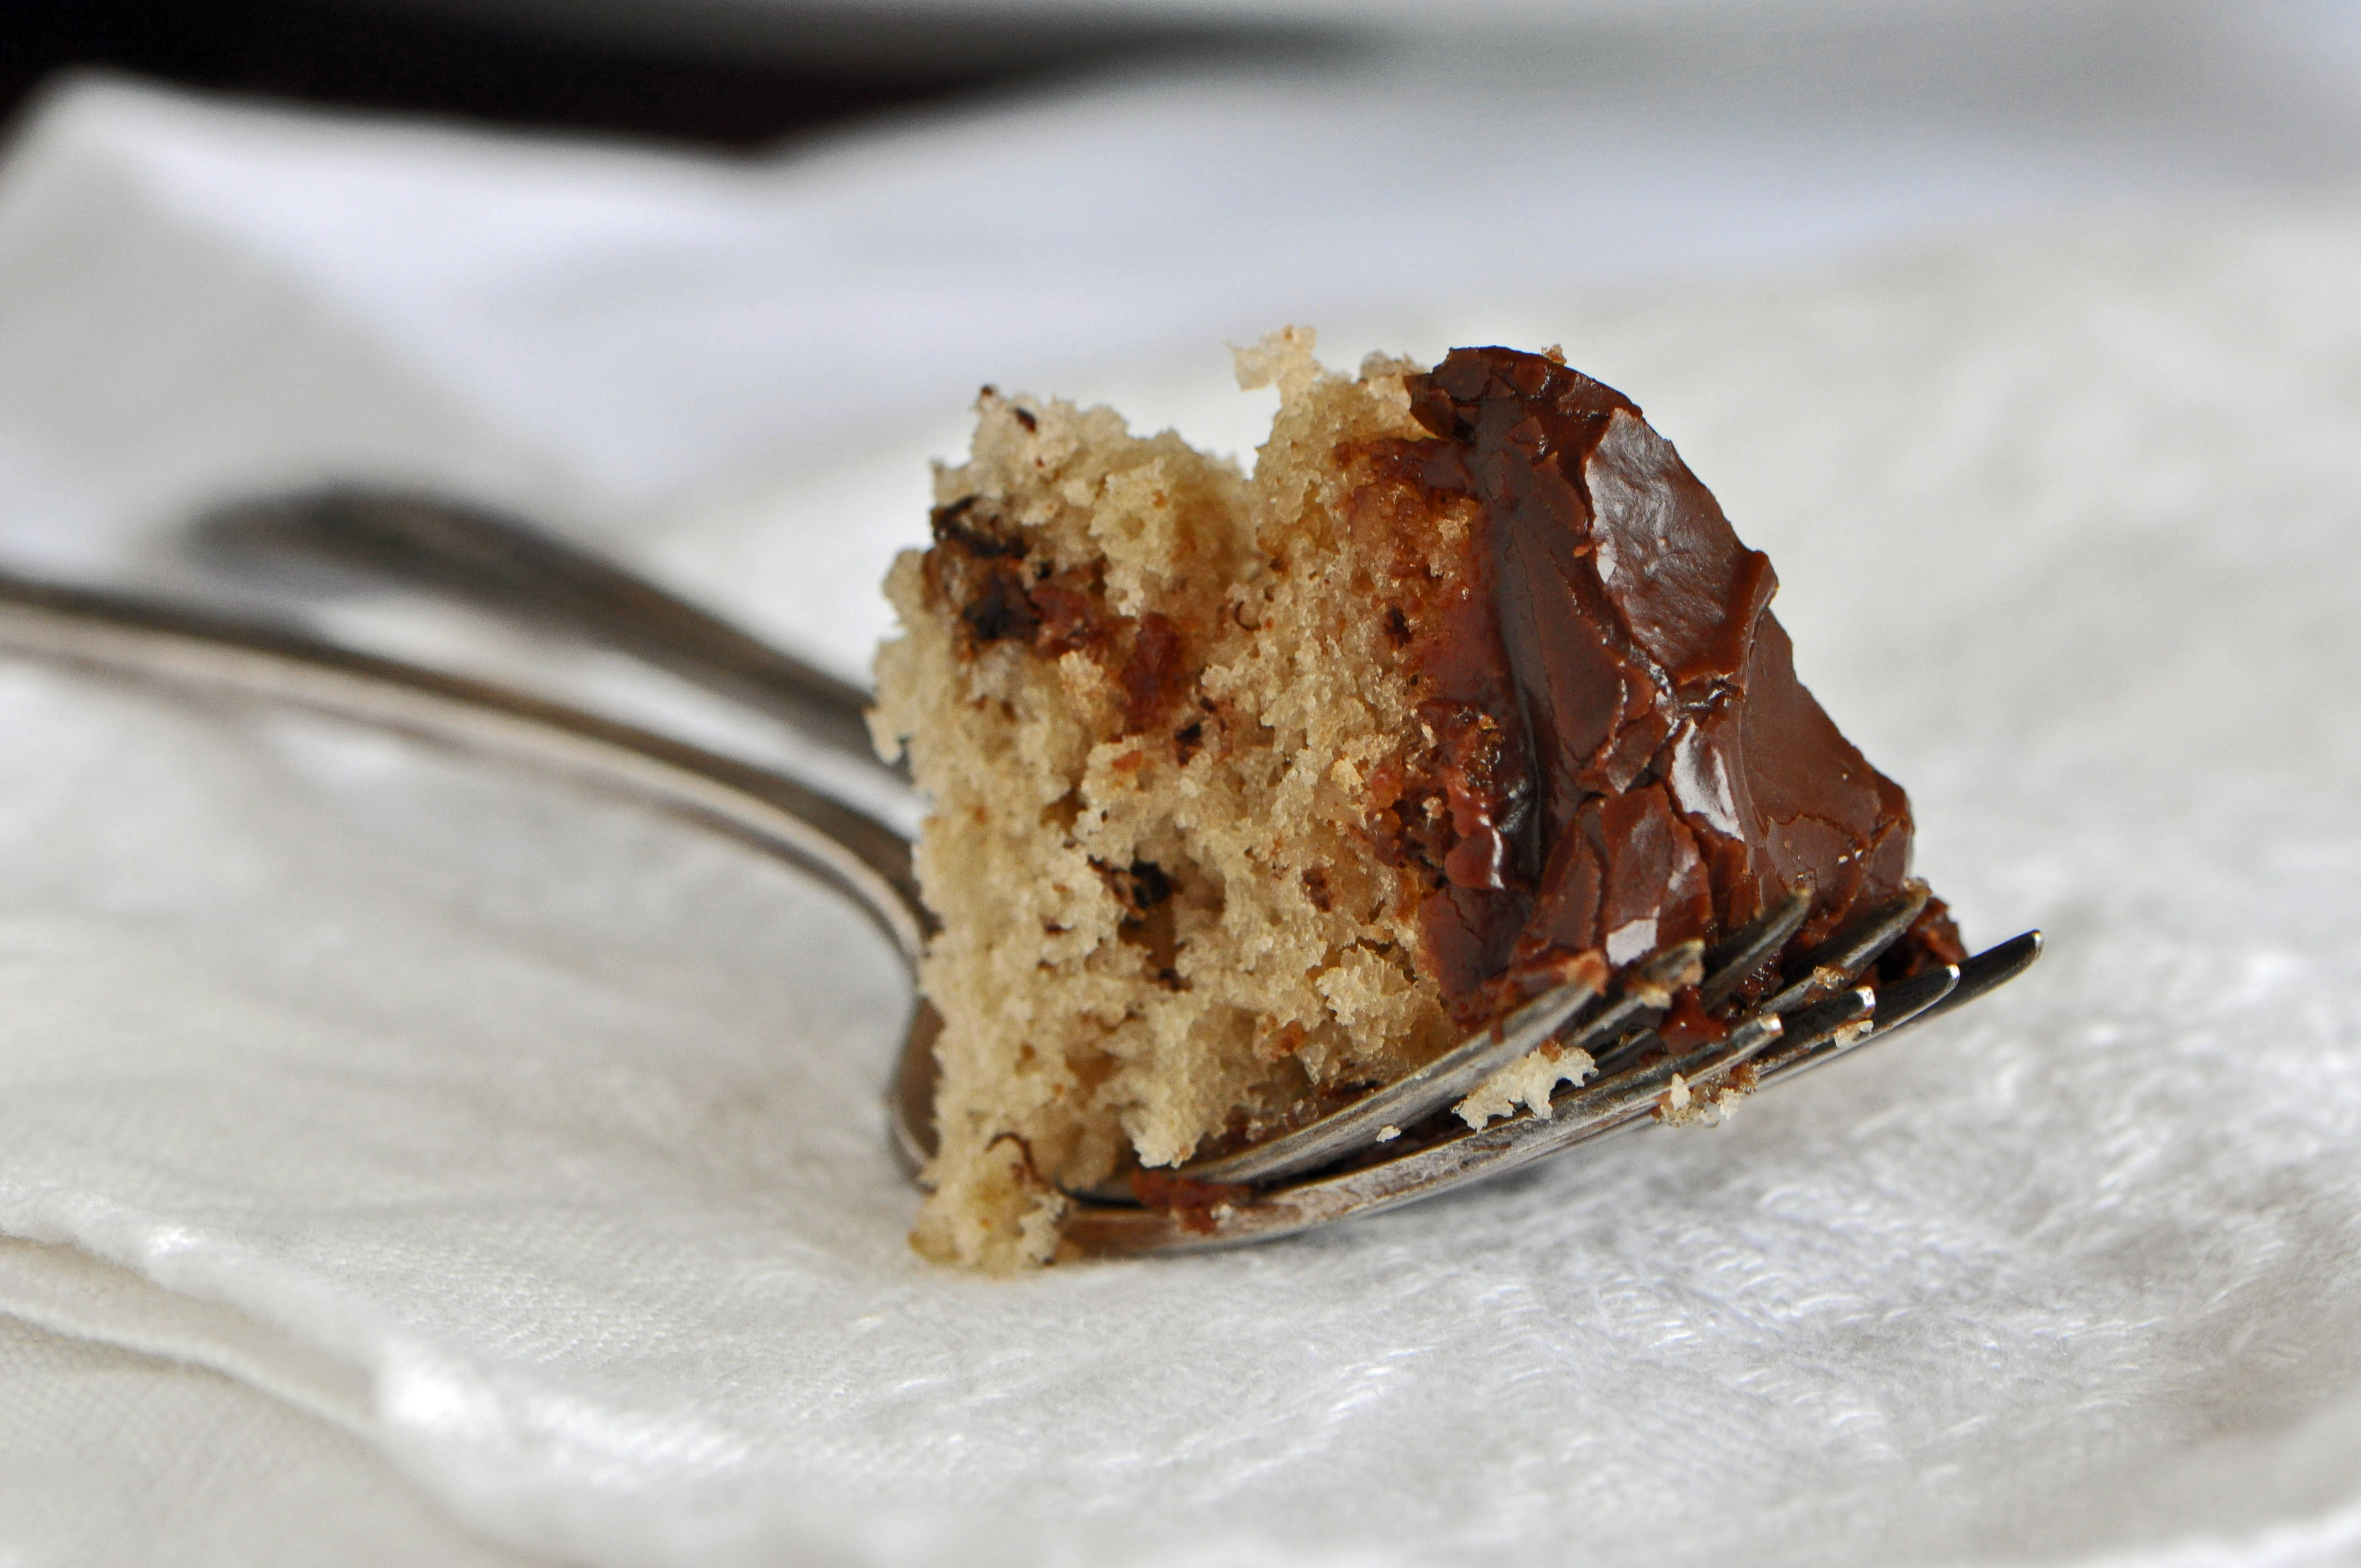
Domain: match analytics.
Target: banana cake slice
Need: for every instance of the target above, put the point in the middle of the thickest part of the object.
(1251, 793)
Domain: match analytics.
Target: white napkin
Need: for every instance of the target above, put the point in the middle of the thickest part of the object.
(534, 1139)
(108, 1455)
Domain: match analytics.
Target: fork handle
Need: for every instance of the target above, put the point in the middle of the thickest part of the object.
(133, 636)
(515, 569)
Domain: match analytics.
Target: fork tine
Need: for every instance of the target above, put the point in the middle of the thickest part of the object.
(1917, 1000)
(1826, 968)
(1834, 962)
(1989, 970)
(1904, 1000)
(1729, 962)
(1579, 1116)
(1807, 1037)
(1411, 1097)
(1894, 1005)
(1417, 1095)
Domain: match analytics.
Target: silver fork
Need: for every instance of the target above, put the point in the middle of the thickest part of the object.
(1394, 1145)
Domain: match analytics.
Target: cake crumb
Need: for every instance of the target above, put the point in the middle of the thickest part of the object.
(1530, 1081)
(996, 1214)
(1686, 1105)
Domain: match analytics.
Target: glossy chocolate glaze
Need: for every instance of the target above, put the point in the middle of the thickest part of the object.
(1623, 756)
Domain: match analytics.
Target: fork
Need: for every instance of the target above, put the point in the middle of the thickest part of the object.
(1395, 1144)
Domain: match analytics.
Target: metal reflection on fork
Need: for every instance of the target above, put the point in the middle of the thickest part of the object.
(1394, 1146)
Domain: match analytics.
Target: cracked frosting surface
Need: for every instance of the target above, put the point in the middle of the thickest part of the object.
(1659, 774)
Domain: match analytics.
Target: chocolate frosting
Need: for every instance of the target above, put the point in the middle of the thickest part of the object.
(1623, 756)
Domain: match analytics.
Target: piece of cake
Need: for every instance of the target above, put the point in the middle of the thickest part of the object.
(1251, 794)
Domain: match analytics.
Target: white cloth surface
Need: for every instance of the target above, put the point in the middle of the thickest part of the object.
(533, 1139)
(111, 1456)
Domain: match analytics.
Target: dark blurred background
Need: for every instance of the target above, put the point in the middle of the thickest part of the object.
(708, 74)
(2259, 89)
